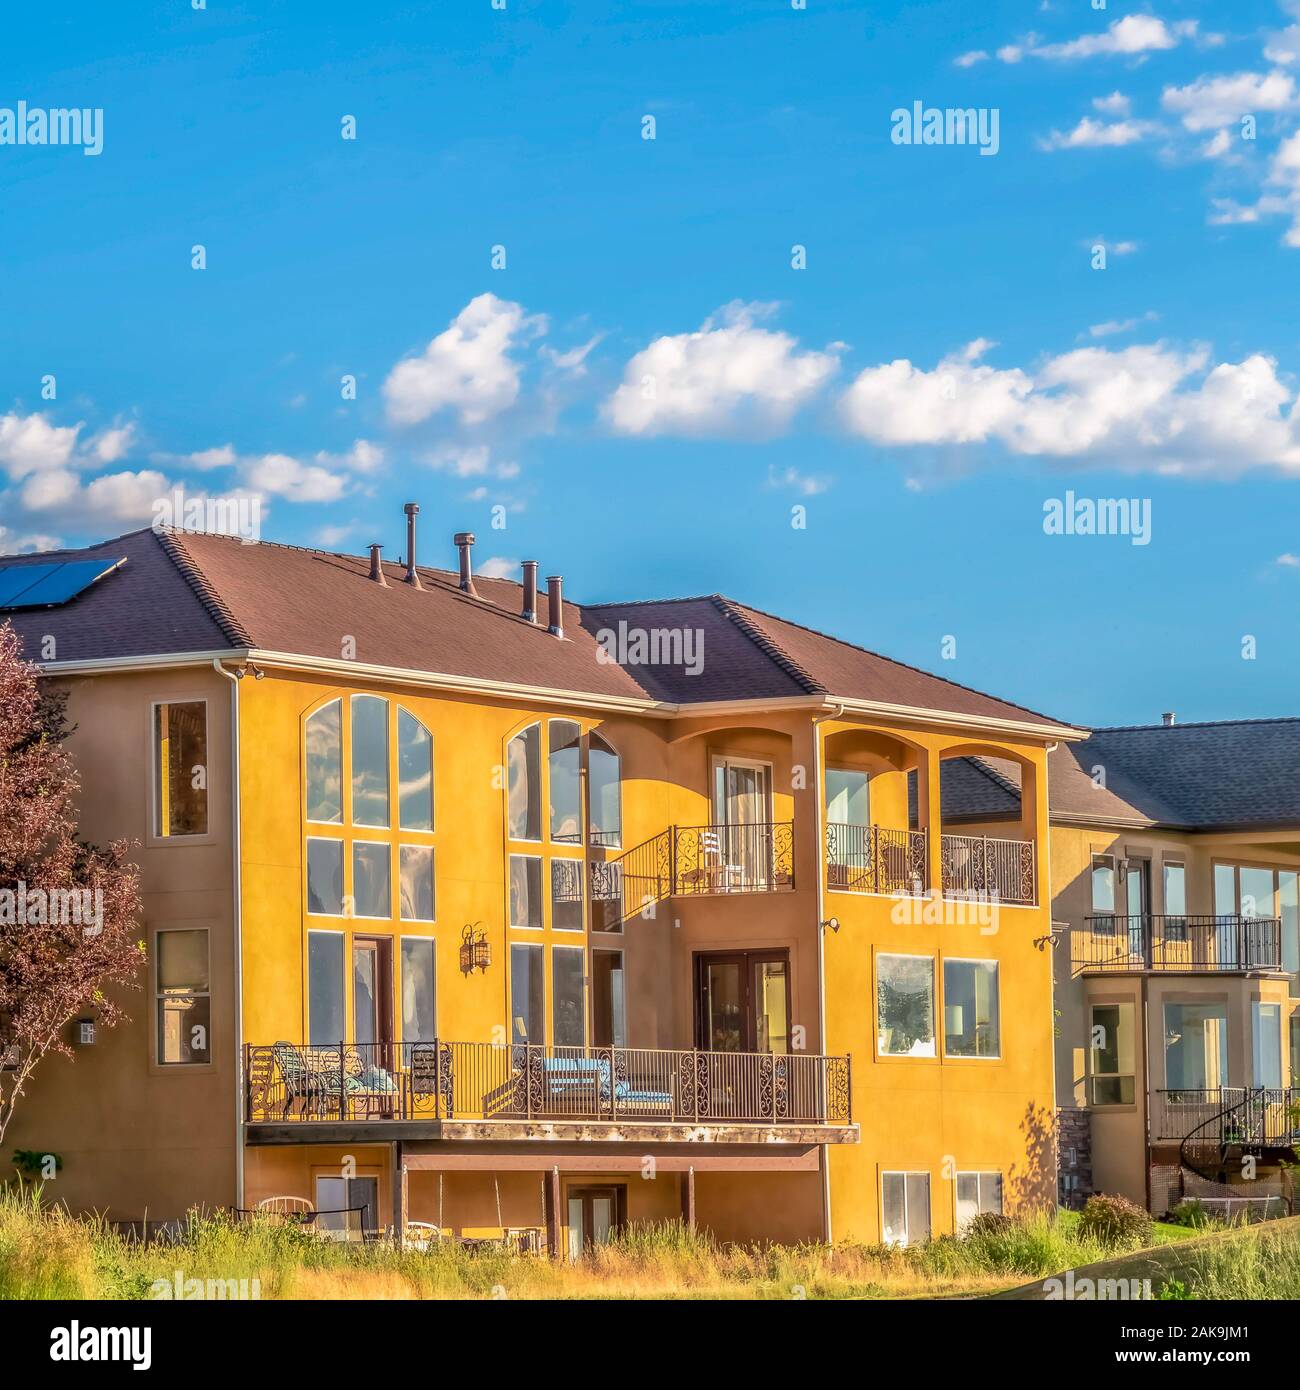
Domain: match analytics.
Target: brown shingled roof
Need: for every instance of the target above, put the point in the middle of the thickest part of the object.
(186, 592)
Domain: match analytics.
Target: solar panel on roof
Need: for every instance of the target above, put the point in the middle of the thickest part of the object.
(58, 583)
(15, 578)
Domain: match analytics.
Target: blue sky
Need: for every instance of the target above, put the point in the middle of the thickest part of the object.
(949, 360)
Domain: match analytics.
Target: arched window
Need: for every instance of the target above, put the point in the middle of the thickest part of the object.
(414, 773)
(325, 763)
(566, 781)
(369, 761)
(605, 792)
(524, 784)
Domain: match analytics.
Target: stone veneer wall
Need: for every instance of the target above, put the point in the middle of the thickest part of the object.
(1073, 1156)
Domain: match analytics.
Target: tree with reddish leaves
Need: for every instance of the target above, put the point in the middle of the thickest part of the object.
(69, 912)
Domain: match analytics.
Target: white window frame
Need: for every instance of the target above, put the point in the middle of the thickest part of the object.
(341, 914)
(1257, 1006)
(401, 979)
(353, 841)
(158, 995)
(907, 1174)
(433, 867)
(997, 978)
(557, 947)
(979, 1174)
(154, 812)
(433, 767)
(543, 792)
(934, 1007)
(543, 889)
(344, 789)
(388, 761)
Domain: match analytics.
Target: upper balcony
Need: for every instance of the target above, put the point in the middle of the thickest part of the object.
(876, 859)
(1224, 944)
(490, 1091)
(694, 861)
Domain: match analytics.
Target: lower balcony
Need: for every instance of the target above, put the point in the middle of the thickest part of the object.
(485, 1090)
(876, 859)
(1224, 944)
(1253, 1117)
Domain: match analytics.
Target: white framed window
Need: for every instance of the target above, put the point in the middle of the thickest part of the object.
(1266, 1036)
(419, 989)
(370, 761)
(905, 1208)
(568, 996)
(905, 1006)
(564, 780)
(372, 887)
(527, 995)
(971, 1008)
(415, 866)
(1112, 1043)
(524, 784)
(525, 891)
(180, 768)
(324, 877)
(604, 793)
(414, 773)
(566, 894)
(977, 1194)
(326, 1005)
(1103, 884)
(182, 990)
(324, 756)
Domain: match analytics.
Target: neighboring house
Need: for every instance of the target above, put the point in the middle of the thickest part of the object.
(1175, 850)
(469, 906)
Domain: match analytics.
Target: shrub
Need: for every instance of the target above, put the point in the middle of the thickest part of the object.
(1115, 1223)
(989, 1223)
(1190, 1212)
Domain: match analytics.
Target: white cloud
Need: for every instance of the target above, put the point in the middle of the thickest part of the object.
(362, 457)
(281, 475)
(1210, 103)
(1134, 34)
(1010, 53)
(804, 483)
(729, 375)
(13, 543)
(114, 499)
(30, 443)
(1114, 326)
(1116, 104)
(1091, 134)
(111, 445)
(332, 536)
(1139, 407)
(1288, 561)
(223, 456)
(467, 368)
(574, 361)
(968, 60)
(499, 567)
(1218, 145)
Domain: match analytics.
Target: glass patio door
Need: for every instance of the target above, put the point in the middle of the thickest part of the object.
(743, 1002)
(593, 1217)
(742, 800)
(1137, 885)
(372, 993)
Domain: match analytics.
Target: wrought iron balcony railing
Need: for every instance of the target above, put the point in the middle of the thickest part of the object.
(685, 861)
(873, 859)
(1226, 943)
(1249, 1116)
(288, 1082)
(975, 866)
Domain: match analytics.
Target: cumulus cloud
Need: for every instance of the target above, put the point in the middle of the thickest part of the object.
(1092, 134)
(729, 375)
(282, 475)
(499, 567)
(30, 443)
(1150, 406)
(1133, 35)
(1116, 104)
(968, 60)
(1210, 103)
(468, 368)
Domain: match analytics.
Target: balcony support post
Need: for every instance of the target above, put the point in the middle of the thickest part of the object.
(554, 1232)
(401, 1195)
(688, 1198)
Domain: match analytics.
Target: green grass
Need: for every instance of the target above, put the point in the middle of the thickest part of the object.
(45, 1253)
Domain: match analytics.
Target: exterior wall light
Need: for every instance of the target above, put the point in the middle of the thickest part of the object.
(475, 950)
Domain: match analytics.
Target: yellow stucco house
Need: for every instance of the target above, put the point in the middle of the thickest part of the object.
(473, 910)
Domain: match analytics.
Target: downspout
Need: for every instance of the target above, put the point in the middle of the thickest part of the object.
(236, 920)
(819, 812)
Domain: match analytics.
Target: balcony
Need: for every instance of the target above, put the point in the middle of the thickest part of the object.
(975, 866)
(1221, 1116)
(873, 859)
(478, 1086)
(1226, 944)
(694, 861)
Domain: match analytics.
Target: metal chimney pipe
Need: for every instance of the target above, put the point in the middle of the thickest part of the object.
(530, 591)
(464, 540)
(412, 510)
(555, 604)
(377, 565)
(1168, 718)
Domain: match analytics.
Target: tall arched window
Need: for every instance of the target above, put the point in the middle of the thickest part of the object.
(325, 763)
(605, 793)
(524, 784)
(370, 761)
(565, 779)
(414, 773)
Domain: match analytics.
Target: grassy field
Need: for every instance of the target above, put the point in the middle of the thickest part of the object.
(44, 1253)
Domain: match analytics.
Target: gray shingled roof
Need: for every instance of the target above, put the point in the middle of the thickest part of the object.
(1241, 774)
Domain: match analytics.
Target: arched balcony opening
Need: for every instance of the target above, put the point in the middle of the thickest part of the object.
(988, 804)
(875, 813)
